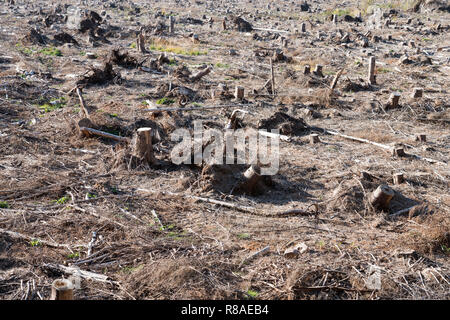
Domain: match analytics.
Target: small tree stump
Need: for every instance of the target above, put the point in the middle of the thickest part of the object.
(398, 178)
(224, 24)
(142, 147)
(318, 70)
(140, 43)
(417, 93)
(307, 69)
(371, 78)
(171, 24)
(253, 181)
(314, 138)
(195, 38)
(399, 152)
(335, 18)
(421, 137)
(62, 289)
(303, 27)
(393, 101)
(381, 197)
(239, 93)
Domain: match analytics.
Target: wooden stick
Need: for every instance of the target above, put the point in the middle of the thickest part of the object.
(272, 77)
(253, 255)
(157, 219)
(17, 235)
(335, 80)
(88, 131)
(82, 104)
(197, 108)
(270, 30)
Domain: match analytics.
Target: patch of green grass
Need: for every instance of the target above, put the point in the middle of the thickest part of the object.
(73, 255)
(129, 270)
(427, 39)
(165, 101)
(54, 104)
(51, 51)
(4, 204)
(82, 53)
(113, 115)
(253, 294)
(25, 50)
(196, 104)
(243, 236)
(35, 243)
(383, 70)
(222, 65)
(172, 62)
(91, 196)
(61, 200)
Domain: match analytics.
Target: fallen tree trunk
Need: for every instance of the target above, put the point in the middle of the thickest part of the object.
(89, 131)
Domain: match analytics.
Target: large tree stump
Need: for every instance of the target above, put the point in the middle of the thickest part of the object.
(62, 289)
(381, 197)
(253, 183)
(398, 178)
(143, 148)
(393, 101)
(318, 70)
(239, 93)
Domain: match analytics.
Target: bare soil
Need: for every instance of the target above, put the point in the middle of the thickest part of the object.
(57, 187)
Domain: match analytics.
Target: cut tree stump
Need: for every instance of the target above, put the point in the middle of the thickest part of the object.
(171, 24)
(421, 137)
(307, 69)
(398, 178)
(393, 101)
(399, 152)
(252, 178)
(303, 27)
(381, 197)
(239, 93)
(372, 78)
(143, 148)
(318, 70)
(314, 138)
(62, 289)
(417, 93)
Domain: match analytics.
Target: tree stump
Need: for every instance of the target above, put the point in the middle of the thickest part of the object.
(140, 43)
(398, 178)
(143, 148)
(239, 93)
(62, 289)
(421, 137)
(195, 38)
(224, 24)
(393, 101)
(371, 78)
(417, 93)
(381, 197)
(399, 152)
(252, 180)
(335, 18)
(314, 138)
(303, 27)
(171, 24)
(318, 70)
(307, 69)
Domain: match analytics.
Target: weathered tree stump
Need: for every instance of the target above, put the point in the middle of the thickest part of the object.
(171, 24)
(372, 78)
(417, 93)
(307, 69)
(398, 178)
(195, 38)
(335, 18)
(399, 152)
(318, 70)
(140, 43)
(142, 147)
(393, 101)
(253, 181)
(303, 27)
(224, 24)
(62, 289)
(314, 138)
(381, 197)
(239, 93)
(421, 137)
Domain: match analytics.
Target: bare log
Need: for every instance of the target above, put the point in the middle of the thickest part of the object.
(80, 273)
(200, 74)
(89, 131)
(371, 77)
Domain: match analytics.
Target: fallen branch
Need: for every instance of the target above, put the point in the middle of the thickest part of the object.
(200, 74)
(90, 131)
(253, 255)
(270, 30)
(196, 108)
(19, 236)
(82, 104)
(79, 273)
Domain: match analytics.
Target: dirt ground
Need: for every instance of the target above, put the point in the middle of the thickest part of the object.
(156, 235)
